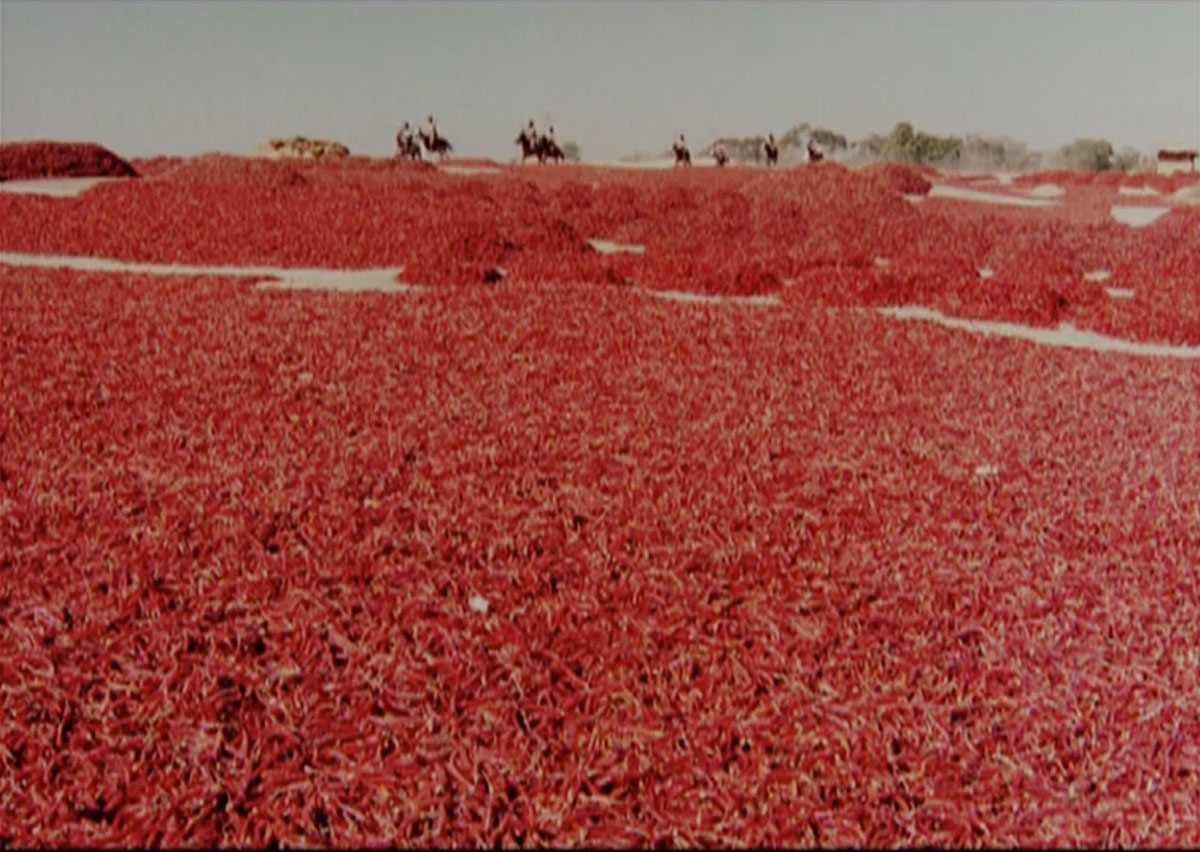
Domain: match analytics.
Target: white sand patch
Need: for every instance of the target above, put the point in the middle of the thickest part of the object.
(761, 300)
(698, 162)
(1097, 275)
(478, 604)
(343, 280)
(1065, 335)
(470, 170)
(1119, 292)
(987, 470)
(609, 247)
(1186, 195)
(963, 194)
(56, 187)
(1047, 190)
(339, 280)
(1138, 190)
(986, 272)
(1137, 217)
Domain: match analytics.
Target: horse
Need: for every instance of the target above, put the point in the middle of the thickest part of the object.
(407, 149)
(683, 157)
(814, 153)
(772, 152)
(721, 157)
(542, 147)
(548, 149)
(439, 144)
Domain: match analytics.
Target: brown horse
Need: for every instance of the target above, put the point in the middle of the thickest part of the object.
(548, 149)
(683, 157)
(439, 144)
(814, 153)
(542, 147)
(407, 148)
(772, 152)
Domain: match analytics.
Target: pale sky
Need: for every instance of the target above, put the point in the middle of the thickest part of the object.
(185, 76)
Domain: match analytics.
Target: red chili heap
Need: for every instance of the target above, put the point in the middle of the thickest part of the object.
(549, 561)
(27, 160)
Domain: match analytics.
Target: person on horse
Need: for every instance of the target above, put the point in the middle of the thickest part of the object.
(720, 154)
(682, 155)
(771, 149)
(429, 132)
(814, 152)
(549, 146)
(528, 140)
(405, 144)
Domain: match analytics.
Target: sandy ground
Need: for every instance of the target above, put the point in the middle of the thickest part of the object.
(766, 300)
(964, 194)
(344, 280)
(1137, 217)
(1047, 190)
(609, 247)
(57, 187)
(384, 280)
(452, 169)
(1137, 190)
(1187, 195)
(1065, 335)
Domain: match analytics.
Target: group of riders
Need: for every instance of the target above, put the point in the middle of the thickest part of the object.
(544, 146)
(434, 142)
(683, 155)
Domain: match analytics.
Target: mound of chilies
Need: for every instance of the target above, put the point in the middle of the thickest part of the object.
(815, 234)
(29, 160)
(544, 565)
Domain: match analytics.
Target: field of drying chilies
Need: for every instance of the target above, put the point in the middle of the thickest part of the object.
(560, 546)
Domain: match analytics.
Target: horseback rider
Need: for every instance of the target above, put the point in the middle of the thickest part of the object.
(550, 137)
(404, 138)
(720, 154)
(429, 131)
(530, 133)
(682, 154)
(771, 149)
(815, 155)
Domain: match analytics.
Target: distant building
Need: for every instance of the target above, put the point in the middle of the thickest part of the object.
(1176, 158)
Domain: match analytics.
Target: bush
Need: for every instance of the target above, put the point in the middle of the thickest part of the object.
(907, 145)
(1092, 154)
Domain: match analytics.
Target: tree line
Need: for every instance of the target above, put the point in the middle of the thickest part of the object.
(908, 144)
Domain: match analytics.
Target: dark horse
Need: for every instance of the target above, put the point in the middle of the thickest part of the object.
(439, 144)
(814, 153)
(542, 147)
(772, 152)
(407, 149)
(683, 157)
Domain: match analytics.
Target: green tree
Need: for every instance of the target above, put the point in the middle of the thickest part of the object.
(827, 139)
(908, 145)
(1130, 159)
(1092, 154)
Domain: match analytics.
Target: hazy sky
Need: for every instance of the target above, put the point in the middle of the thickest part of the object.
(185, 76)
